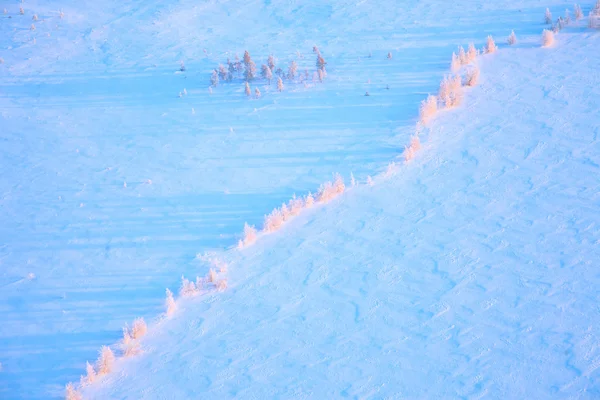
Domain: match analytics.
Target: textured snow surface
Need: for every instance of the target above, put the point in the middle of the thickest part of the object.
(470, 271)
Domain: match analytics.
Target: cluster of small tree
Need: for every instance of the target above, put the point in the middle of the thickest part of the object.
(246, 70)
(463, 57)
(276, 218)
(594, 16)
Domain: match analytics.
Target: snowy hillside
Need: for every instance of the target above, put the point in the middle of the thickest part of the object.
(468, 271)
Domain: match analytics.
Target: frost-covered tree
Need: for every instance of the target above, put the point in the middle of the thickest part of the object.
(293, 69)
(214, 78)
(321, 74)
(279, 84)
(247, 89)
(21, 11)
(266, 73)
(428, 109)
(548, 16)
(139, 328)
(455, 63)
(249, 67)
(257, 93)
(472, 76)
(462, 56)
(578, 13)
(471, 52)
(90, 375)
(71, 393)
(567, 17)
(105, 360)
(223, 73)
(512, 38)
(271, 63)
(490, 46)
(35, 17)
(170, 303)
(547, 38)
(320, 61)
(389, 55)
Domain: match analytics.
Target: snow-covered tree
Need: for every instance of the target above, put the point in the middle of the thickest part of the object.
(271, 63)
(266, 73)
(279, 84)
(389, 55)
(578, 13)
(455, 63)
(471, 52)
(547, 38)
(170, 303)
(257, 93)
(320, 61)
(247, 89)
(472, 76)
(223, 73)
(71, 393)
(490, 45)
(105, 360)
(21, 11)
(428, 109)
(512, 38)
(462, 56)
(214, 78)
(293, 69)
(548, 16)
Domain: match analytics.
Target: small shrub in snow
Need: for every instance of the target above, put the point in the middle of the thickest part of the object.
(170, 303)
(71, 393)
(547, 38)
(472, 76)
(428, 109)
(330, 190)
(279, 84)
(512, 38)
(490, 46)
(389, 55)
(257, 93)
(471, 52)
(249, 236)
(187, 288)
(35, 17)
(577, 12)
(32, 27)
(412, 148)
(21, 11)
(548, 16)
(105, 361)
(444, 93)
(247, 89)
(221, 285)
(182, 66)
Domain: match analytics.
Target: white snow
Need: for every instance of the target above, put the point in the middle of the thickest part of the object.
(469, 271)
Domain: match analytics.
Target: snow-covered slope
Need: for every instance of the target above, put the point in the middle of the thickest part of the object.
(472, 271)
(111, 183)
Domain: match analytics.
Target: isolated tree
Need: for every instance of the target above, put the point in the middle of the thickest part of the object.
(578, 12)
(320, 61)
(247, 90)
(490, 45)
(512, 38)
(105, 361)
(292, 70)
(279, 84)
(32, 27)
(214, 79)
(257, 93)
(548, 16)
(266, 73)
(271, 63)
(547, 38)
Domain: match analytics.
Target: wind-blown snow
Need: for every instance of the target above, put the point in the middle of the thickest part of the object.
(111, 184)
(470, 272)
